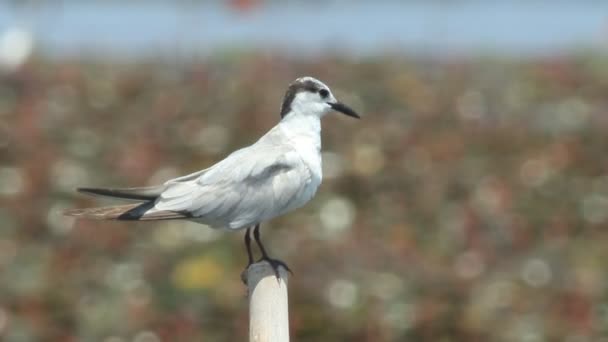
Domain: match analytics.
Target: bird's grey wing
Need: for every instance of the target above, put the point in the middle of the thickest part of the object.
(250, 185)
(138, 194)
(180, 192)
(149, 193)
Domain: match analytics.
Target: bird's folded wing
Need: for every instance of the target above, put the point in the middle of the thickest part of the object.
(137, 194)
(258, 181)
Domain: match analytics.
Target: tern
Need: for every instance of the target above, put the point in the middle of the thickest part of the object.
(277, 174)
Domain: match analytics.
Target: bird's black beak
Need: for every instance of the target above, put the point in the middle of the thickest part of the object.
(344, 109)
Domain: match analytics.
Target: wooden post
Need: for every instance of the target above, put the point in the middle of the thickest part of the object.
(268, 308)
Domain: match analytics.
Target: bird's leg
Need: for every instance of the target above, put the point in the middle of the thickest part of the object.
(248, 245)
(275, 263)
(249, 255)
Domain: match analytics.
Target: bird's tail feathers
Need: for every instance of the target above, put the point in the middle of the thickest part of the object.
(127, 212)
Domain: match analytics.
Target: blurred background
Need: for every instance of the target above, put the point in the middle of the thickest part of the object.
(469, 204)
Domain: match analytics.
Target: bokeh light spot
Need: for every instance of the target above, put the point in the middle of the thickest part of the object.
(471, 105)
(11, 181)
(333, 165)
(68, 174)
(536, 273)
(400, 316)
(534, 172)
(369, 159)
(146, 336)
(213, 139)
(59, 223)
(337, 215)
(16, 45)
(469, 265)
(594, 208)
(342, 294)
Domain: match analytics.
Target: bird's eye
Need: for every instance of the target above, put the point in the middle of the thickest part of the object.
(324, 93)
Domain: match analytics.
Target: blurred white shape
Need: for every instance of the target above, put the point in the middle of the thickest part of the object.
(124, 276)
(59, 223)
(493, 296)
(471, 105)
(16, 45)
(146, 336)
(103, 312)
(213, 139)
(67, 174)
(536, 272)
(594, 208)
(342, 293)
(333, 165)
(486, 197)
(386, 285)
(11, 181)
(527, 328)
(174, 234)
(369, 159)
(200, 233)
(534, 172)
(469, 265)
(400, 316)
(337, 215)
(570, 115)
(114, 339)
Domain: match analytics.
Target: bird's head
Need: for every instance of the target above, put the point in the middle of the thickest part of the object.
(309, 96)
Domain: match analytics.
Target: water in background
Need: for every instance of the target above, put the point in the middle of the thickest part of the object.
(135, 29)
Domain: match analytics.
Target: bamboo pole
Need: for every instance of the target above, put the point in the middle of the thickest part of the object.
(268, 305)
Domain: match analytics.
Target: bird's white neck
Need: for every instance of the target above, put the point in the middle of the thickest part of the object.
(302, 129)
(304, 134)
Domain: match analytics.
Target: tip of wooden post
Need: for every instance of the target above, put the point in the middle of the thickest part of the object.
(261, 270)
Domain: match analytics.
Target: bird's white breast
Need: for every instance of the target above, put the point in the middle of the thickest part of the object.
(303, 133)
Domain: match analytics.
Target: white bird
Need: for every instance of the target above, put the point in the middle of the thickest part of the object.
(277, 174)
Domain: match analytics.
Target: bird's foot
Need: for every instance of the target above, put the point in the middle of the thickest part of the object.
(275, 264)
